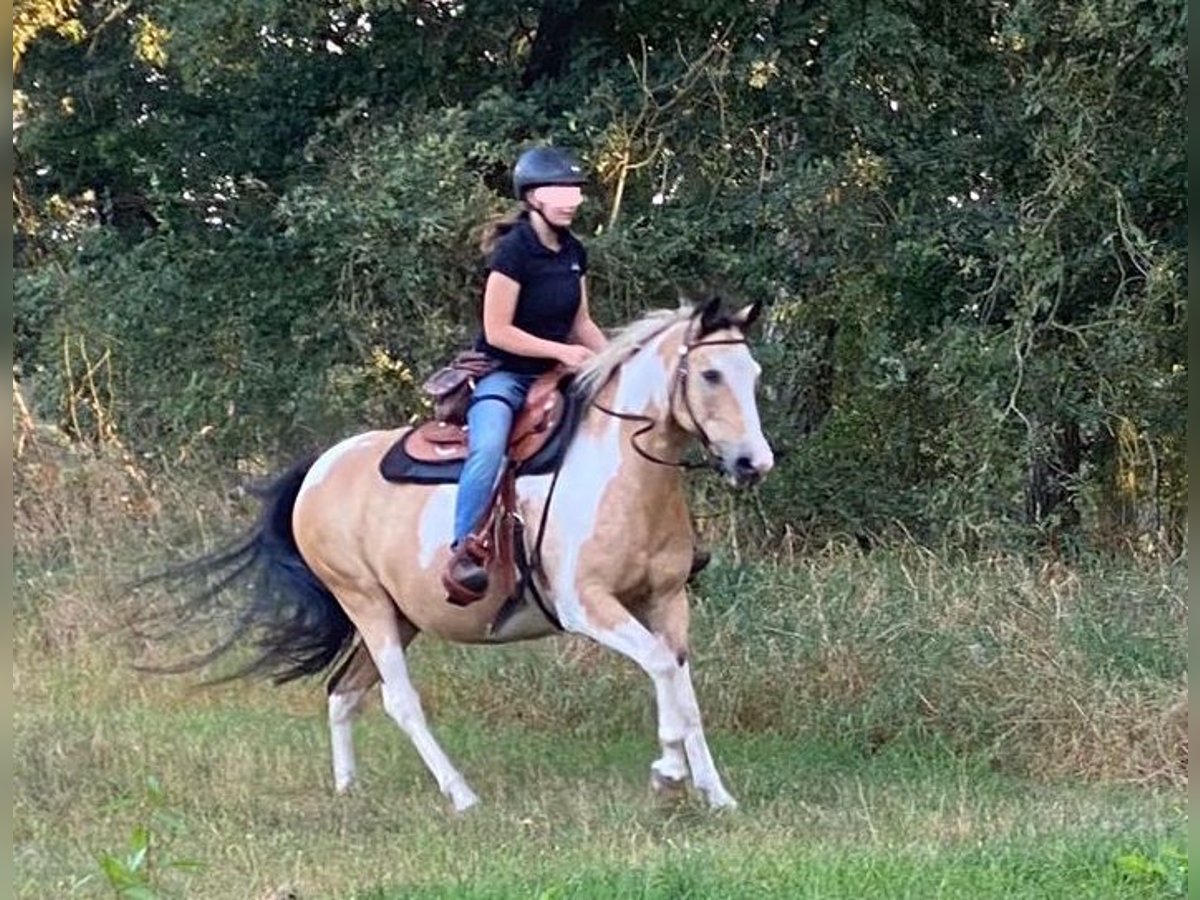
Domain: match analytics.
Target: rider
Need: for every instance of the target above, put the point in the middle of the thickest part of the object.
(535, 316)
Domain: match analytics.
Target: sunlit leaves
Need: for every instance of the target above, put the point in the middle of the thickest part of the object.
(969, 217)
(31, 17)
(150, 42)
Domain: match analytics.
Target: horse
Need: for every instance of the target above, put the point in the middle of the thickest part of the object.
(349, 564)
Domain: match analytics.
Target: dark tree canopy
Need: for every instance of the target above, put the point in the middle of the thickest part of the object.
(968, 220)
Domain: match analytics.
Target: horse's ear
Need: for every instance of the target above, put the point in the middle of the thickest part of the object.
(710, 315)
(746, 316)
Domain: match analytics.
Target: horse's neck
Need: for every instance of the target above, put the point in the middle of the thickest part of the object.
(641, 387)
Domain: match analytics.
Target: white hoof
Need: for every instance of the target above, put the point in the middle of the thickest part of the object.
(462, 798)
(343, 785)
(719, 798)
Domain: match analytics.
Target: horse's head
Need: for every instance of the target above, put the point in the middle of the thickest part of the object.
(714, 394)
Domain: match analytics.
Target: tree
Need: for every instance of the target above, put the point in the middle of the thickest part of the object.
(969, 221)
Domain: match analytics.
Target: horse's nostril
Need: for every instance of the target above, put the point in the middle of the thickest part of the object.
(745, 465)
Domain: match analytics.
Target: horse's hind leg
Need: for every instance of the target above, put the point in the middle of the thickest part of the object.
(383, 632)
(348, 685)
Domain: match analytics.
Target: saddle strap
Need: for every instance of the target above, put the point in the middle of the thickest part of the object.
(528, 577)
(506, 515)
(502, 536)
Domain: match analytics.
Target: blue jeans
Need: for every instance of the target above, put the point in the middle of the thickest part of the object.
(497, 399)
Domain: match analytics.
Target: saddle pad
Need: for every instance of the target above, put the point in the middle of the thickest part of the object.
(398, 465)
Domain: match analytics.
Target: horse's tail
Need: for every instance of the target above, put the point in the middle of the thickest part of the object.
(294, 621)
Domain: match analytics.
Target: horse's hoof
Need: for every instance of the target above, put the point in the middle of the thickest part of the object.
(666, 787)
(462, 798)
(720, 799)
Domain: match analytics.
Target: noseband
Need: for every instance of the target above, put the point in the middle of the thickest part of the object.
(679, 384)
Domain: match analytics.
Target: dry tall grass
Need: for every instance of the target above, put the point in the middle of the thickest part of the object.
(1048, 669)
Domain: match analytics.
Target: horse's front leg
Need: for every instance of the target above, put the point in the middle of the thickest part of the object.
(597, 614)
(699, 758)
(684, 744)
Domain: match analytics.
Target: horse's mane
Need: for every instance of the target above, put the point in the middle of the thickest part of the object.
(596, 372)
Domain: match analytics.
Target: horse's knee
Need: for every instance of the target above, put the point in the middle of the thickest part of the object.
(343, 706)
(401, 702)
(663, 663)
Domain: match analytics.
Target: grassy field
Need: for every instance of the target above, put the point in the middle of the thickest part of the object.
(897, 725)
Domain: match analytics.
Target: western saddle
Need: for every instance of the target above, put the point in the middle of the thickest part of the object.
(433, 453)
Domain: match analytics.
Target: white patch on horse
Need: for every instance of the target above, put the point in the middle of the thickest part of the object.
(643, 381)
(401, 702)
(593, 461)
(437, 523)
(746, 372)
(342, 707)
(321, 468)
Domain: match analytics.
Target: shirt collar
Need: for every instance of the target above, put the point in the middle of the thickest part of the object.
(533, 243)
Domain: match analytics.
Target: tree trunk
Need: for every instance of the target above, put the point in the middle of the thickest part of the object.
(563, 26)
(1049, 476)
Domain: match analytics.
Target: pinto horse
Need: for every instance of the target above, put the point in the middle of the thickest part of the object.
(349, 564)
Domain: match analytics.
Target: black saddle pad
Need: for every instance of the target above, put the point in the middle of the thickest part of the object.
(397, 465)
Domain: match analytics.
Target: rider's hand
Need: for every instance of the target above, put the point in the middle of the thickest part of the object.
(574, 355)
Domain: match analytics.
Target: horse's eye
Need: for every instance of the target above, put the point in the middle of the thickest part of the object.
(711, 376)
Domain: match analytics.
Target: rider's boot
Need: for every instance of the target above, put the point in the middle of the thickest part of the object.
(466, 577)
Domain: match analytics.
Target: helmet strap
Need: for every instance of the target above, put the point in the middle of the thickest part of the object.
(557, 229)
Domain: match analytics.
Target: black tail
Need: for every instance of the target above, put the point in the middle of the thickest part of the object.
(291, 617)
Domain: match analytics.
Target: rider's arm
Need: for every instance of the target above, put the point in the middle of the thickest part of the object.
(585, 331)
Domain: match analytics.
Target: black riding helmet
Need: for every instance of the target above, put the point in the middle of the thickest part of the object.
(543, 166)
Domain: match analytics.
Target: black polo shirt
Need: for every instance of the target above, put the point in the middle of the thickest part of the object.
(550, 290)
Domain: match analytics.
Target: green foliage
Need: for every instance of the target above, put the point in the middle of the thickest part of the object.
(138, 874)
(1167, 870)
(969, 223)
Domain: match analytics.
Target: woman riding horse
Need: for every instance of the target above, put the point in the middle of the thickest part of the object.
(613, 529)
(535, 316)
(347, 568)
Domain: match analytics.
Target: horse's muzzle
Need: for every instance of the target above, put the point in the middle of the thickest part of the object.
(746, 471)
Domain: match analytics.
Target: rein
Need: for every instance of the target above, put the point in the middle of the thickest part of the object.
(678, 384)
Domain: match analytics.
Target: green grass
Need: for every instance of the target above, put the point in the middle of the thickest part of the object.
(246, 787)
(895, 725)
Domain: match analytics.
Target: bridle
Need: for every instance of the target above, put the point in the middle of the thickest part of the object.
(679, 385)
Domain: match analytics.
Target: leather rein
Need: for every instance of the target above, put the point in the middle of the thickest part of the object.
(679, 384)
